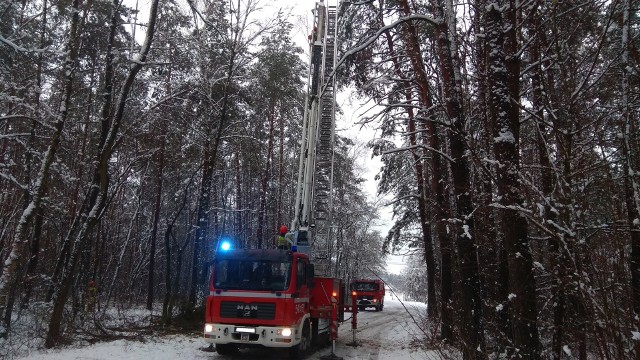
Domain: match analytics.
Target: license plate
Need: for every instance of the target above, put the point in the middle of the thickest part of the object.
(244, 337)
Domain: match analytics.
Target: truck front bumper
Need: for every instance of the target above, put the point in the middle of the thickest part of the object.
(269, 336)
(367, 303)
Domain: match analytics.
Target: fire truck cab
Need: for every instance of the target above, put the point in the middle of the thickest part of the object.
(369, 293)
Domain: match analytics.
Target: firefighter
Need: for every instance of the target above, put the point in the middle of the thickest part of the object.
(282, 240)
(91, 295)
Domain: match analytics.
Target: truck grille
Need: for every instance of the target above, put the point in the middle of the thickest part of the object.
(261, 311)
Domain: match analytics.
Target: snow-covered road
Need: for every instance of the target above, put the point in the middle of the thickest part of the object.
(387, 335)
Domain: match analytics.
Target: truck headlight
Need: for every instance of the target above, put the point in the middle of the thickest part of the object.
(284, 332)
(208, 328)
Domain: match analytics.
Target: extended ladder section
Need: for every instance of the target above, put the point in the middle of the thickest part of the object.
(314, 201)
(324, 165)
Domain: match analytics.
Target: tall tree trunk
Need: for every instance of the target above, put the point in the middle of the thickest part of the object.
(202, 223)
(504, 89)
(166, 315)
(11, 269)
(178, 277)
(470, 301)
(37, 231)
(156, 219)
(467, 254)
(124, 248)
(410, 34)
(281, 183)
(451, 86)
(158, 199)
(34, 259)
(631, 156)
(547, 179)
(630, 137)
(240, 232)
(167, 305)
(262, 212)
(73, 211)
(494, 277)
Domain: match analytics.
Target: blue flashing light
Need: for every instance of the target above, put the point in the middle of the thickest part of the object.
(225, 246)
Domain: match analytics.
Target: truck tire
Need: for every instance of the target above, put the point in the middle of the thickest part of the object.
(298, 351)
(226, 349)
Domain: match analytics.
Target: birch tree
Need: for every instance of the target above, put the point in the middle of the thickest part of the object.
(17, 257)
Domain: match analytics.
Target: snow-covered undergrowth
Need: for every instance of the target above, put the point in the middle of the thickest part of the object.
(29, 327)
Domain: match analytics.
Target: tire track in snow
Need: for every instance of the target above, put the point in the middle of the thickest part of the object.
(379, 335)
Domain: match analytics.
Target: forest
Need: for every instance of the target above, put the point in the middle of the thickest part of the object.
(508, 132)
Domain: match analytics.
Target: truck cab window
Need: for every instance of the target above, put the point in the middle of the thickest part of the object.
(365, 286)
(240, 274)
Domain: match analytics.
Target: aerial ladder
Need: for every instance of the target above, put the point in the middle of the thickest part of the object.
(314, 202)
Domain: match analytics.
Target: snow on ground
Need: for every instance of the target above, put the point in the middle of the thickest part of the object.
(168, 347)
(388, 335)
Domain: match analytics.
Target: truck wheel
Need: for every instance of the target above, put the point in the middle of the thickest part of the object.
(378, 308)
(297, 351)
(381, 306)
(226, 349)
(361, 308)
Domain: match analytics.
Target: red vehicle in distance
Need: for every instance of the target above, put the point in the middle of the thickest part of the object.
(369, 293)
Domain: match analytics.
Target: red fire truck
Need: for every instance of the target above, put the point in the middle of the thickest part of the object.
(269, 298)
(369, 293)
(287, 298)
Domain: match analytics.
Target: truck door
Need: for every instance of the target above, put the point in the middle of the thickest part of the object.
(302, 285)
(302, 288)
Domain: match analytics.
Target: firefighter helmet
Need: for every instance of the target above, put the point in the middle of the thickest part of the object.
(283, 230)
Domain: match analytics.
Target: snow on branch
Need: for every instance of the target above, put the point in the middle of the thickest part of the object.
(13, 180)
(375, 36)
(409, 148)
(19, 48)
(17, 116)
(406, 197)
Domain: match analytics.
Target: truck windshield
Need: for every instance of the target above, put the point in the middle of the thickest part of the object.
(365, 286)
(235, 274)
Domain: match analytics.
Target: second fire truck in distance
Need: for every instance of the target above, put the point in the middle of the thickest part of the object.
(369, 293)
